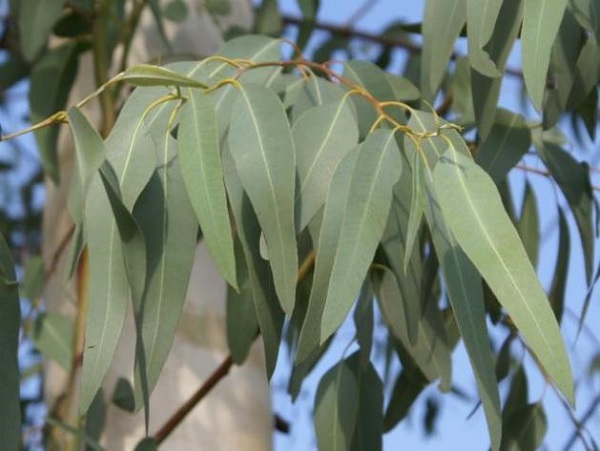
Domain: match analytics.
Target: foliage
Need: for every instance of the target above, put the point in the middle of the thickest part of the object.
(313, 187)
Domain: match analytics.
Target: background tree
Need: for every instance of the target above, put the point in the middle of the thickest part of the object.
(321, 190)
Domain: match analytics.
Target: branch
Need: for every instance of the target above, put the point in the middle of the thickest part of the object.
(175, 419)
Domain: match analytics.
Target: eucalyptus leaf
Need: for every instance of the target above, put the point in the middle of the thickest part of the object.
(52, 337)
(149, 75)
(35, 24)
(472, 207)
(261, 144)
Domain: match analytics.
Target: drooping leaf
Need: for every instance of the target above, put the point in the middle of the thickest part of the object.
(525, 428)
(486, 90)
(35, 24)
(587, 72)
(363, 322)
(261, 144)
(268, 311)
(89, 154)
(472, 207)
(33, 278)
(573, 178)
(368, 432)
(528, 226)
(200, 162)
(356, 211)
(10, 320)
(587, 13)
(268, 20)
(52, 336)
(336, 408)
(170, 227)
(442, 23)
(541, 21)
(461, 278)
(559, 281)
(51, 79)
(323, 136)
(407, 388)
(481, 18)
(508, 140)
(314, 91)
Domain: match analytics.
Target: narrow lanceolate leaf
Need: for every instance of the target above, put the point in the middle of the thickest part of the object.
(473, 209)
(52, 337)
(541, 21)
(463, 284)
(528, 225)
(314, 91)
(170, 253)
(323, 136)
(149, 75)
(130, 147)
(573, 178)
(89, 153)
(268, 311)
(481, 20)
(261, 144)
(525, 428)
(442, 24)
(108, 291)
(336, 408)
(35, 24)
(200, 162)
(10, 320)
(559, 281)
(356, 211)
(508, 140)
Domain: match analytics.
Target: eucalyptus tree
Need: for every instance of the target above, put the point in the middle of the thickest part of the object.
(323, 190)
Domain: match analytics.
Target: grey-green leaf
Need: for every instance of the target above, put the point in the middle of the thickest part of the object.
(10, 320)
(52, 336)
(473, 209)
(35, 24)
(541, 21)
(481, 19)
(261, 144)
(336, 408)
(149, 75)
(323, 136)
(200, 162)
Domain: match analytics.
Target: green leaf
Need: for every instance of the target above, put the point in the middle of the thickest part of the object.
(108, 292)
(368, 432)
(89, 154)
(486, 90)
(33, 278)
(310, 93)
(35, 24)
(336, 408)
(268, 20)
(415, 212)
(587, 72)
(561, 271)
(268, 311)
(472, 207)
(407, 388)
(507, 142)
(525, 428)
(528, 225)
(52, 337)
(242, 324)
(200, 162)
(323, 136)
(308, 8)
(260, 142)
(218, 7)
(170, 228)
(51, 79)
(587, 13)
(149, 75)
(442, 23)
(363, 322)
(94, 419)
(356, 211)
(481, 19)
(541, 21)
(10, 320)
(176, 11)
(123, 396)
(147, 444)
(573, 179)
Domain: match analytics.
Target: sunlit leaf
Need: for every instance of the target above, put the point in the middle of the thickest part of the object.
(323, 136)
(200, 162)
(472, 207)
(149, 75)
(10, 320)
(481, 18)
(508, 140)
(260, 142)
(336, 408)
(541, 21)
(442, 23)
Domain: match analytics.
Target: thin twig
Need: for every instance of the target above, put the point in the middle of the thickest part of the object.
(586, 416)
(175, 419)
